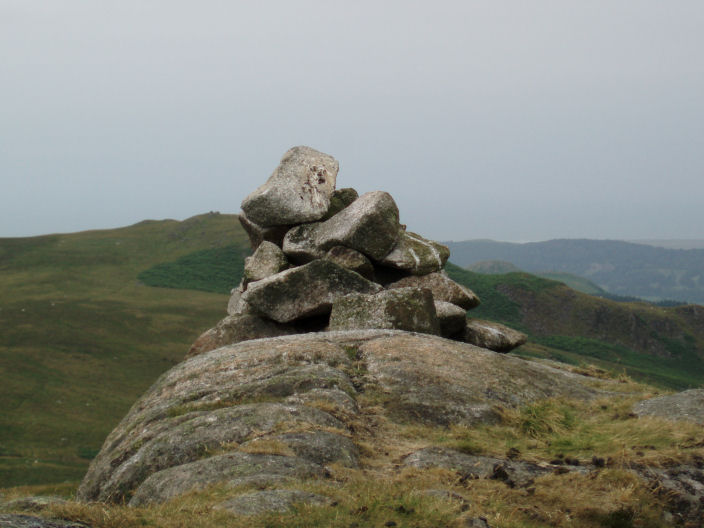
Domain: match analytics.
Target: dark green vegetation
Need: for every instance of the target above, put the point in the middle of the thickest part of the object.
(660, 345)
(81, 337)
(621, 268)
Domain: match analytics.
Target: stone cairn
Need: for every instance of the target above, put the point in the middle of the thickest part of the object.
(327, 259)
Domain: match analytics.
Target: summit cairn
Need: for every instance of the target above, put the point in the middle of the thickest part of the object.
(327, 259)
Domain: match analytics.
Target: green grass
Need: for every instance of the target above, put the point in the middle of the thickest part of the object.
(81, 337)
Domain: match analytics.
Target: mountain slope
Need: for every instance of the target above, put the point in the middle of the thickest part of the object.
(622, 268)
(657, 344)
(81, 337)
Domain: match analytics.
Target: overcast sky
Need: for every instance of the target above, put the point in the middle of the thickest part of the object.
(509, 120)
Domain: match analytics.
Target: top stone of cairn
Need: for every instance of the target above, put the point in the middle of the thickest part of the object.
(298, 191)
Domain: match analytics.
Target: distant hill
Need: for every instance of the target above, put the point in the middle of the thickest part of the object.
(660, 345)
(620, 268)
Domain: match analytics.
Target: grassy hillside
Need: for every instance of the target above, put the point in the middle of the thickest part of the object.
(621, 268)
(81, 337)
(652, 343)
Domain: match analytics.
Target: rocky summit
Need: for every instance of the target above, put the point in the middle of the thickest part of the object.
(328, 259)
(347, 373)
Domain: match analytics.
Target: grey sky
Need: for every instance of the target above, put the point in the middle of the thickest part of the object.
(506, 120)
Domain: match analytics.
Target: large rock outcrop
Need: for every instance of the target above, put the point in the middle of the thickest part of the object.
(299, 397)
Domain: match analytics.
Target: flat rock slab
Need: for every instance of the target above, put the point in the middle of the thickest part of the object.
(298, 191)
(234, 469)
(410, 309)
(235, 328)
(491, 335)
(272, 389)
(305, 291)
(369, 225)
(443, 287)
(271, 501)
(28, 521)
(687, 405)
(416, 255)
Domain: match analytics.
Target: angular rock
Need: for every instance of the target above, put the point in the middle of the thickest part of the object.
(513, 473)
(417, 255)
(267, 260)
(235, 306)
(443, 288)
(369, 225)
(233, 469)
(452, 318)
(491, 335)
(410, 309)
(271, 501)
(29, 521)
(298, 191)
(305, 291)
(682, 488)
(340, 199)
(352, 260)
(235, 328)
(687, 405)
(257, 234)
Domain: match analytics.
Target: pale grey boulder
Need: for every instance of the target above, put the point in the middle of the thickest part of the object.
(340, 199)
(370, 225)
(452, 318)
(415, 254)
(686, 405)
(267, 260)
(298, 191)
(410, 309)
(304, 291)
(257, 234)
(235, 328)
(235, 305)
(491, 335)
(268, 501)
(443, 288)
(352, 260)
(233, 469)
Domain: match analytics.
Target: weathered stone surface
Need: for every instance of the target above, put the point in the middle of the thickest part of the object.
(235, 469)
(410, 309)
(321, 447)
(443, 288)
(236, 306)
(369, 225)
(33, 503)
(28, 521)
(336, 399)
(298, 191)
(235, 328)
(687, 405)
(352, 260)
(452, 318)
(340, 199)
(171, 439)
(271, 501)
(437, 381)
(491, 335)
(514, 473)
(682, 488)
(257, 234)
(267, 260)
(212, 387)
(305, 290)
(416, 254)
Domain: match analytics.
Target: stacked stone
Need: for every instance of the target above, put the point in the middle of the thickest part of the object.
(327, 259)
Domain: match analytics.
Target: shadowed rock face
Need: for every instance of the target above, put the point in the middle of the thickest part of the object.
(206, 420)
